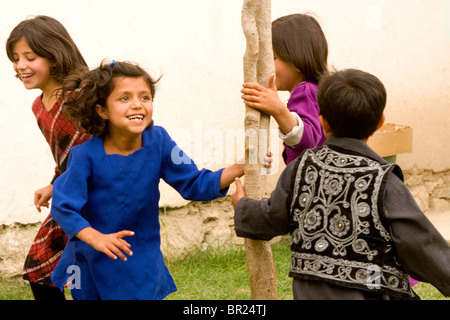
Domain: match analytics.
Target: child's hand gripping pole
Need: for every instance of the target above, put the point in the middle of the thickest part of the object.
(239, 194)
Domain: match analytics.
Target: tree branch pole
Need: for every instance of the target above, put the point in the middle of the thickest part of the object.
(258, 64)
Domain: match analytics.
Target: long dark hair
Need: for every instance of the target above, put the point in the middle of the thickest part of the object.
(49, 39)
(299, 39)
(83, 90)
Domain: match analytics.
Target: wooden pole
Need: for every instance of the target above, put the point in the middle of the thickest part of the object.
(258, 65)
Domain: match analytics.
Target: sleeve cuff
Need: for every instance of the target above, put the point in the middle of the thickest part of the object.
(294, 137)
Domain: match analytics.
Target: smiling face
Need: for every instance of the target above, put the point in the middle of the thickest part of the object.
(129, 107)
(32, 69)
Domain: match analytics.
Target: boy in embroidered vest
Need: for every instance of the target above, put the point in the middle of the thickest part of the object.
(356, 231)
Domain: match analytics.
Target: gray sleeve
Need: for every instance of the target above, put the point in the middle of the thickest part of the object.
(266, 218)
(421, 248)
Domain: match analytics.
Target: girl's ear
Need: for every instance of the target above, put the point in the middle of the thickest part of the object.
(101, 112)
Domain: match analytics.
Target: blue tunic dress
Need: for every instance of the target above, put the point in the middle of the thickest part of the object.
(111, 193)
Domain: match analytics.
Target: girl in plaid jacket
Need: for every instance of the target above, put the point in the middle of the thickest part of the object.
(43, 54)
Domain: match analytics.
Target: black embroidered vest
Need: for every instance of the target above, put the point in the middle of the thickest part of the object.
(338, 227)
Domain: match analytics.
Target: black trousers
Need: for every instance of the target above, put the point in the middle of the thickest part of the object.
(42, 292)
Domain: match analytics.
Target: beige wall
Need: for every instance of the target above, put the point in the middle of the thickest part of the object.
(198, 45)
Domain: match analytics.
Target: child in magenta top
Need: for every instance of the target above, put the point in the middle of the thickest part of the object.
(301, 53)
(356, 231)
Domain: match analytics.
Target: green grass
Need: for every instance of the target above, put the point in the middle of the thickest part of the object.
(427, 292)
(221, 274)
(216, 274)
(14, 289)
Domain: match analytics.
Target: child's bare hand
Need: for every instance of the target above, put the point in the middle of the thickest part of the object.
(261, 98)
(239, 194)
(267, 163)
(42, 197)
(268, 159)
(111, 244)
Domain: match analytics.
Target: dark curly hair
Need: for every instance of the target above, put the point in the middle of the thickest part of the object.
(83, 90)
(48, 38)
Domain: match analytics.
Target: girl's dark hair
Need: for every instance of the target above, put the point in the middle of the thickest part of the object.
(84, 90)
(48, 38)
(299, 39)
(352, 102)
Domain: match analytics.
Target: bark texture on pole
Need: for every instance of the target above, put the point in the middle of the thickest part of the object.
(258, 65)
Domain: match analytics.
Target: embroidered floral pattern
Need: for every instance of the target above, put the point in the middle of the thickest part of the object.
(364, 275)
(335, 212)
(335, 186)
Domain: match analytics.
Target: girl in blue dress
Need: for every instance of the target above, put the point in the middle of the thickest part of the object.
(107, 200)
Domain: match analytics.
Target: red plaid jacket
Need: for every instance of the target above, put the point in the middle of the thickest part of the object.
(61, 135)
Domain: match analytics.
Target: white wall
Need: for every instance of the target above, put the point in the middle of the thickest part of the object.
(198, 46)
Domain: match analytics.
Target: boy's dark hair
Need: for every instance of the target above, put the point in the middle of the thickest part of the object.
(299, 39)
(352, 102)
(49, 39)
(84, 90)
